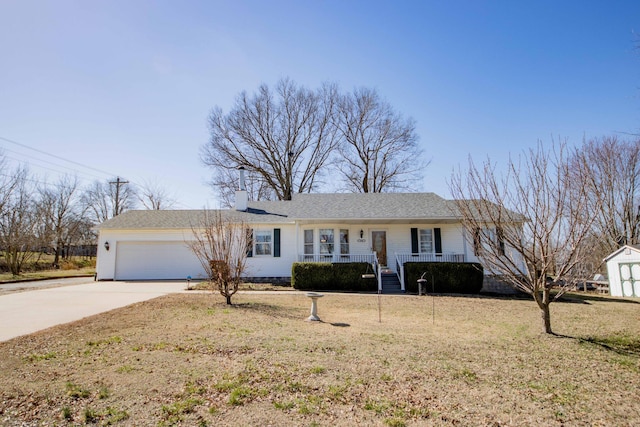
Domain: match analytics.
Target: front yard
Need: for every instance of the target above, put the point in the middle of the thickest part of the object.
(192, 360)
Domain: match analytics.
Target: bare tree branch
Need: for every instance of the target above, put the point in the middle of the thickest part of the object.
(380, 150)
(283, 136)
(154, 197)
(19, 222)
(528, 225)
(221, 242)
(609, 170)
(60, 211)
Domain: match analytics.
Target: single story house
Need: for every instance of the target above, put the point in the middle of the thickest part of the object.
(623, 269)
(384, 229)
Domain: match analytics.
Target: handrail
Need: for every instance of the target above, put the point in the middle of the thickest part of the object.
(430, 257)
(400, 273)
(377, 270)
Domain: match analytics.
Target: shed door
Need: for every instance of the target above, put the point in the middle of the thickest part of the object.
(156, 261)
(630, 279)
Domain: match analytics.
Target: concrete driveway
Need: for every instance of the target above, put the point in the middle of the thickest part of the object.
(23, 313)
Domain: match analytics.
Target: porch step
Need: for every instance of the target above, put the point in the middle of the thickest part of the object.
(391, 283)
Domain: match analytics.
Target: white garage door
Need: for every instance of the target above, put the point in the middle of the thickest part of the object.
(156, 261)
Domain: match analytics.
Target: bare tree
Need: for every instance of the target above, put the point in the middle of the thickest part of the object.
(221, 243)
(105, 200)
(527, 225)
(609, 170)
(226, 183)
(155, 197)
(380, 151)
(19, 222)
(284, 136)
(8, 183)
(60, 210)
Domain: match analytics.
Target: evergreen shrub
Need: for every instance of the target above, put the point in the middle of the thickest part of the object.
(448, 277)
(341, 276)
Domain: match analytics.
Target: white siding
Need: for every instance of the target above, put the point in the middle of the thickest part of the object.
(110, 266)
(398, 238)
(617, 286)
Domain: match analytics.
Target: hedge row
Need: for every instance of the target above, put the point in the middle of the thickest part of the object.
(340, 276)
(445, 277)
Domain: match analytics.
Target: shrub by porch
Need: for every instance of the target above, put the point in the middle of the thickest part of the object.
(448, 277)
(342, 276)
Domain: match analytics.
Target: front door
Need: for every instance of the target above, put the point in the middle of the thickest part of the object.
(379, 245)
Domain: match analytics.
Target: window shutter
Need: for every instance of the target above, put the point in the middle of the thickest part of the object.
(249, 242)
(414, 241)
(276, 242)
(437, 238)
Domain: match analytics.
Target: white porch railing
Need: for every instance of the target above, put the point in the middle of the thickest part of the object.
(370, 258)
(423, 257)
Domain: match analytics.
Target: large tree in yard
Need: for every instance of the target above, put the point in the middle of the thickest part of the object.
(282, 136)
(221, 244)
(380, 151)
(527, 225)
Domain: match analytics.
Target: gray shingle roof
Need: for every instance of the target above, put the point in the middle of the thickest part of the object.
(369, 207)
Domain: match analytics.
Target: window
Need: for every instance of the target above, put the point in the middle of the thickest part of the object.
(425, 237)
(308, 242)
(326, 241)
(263, 242)
(344, 242)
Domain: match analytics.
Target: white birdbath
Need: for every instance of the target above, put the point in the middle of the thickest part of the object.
(314, 306)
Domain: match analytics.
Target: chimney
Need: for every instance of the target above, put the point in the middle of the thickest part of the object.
(241, 194)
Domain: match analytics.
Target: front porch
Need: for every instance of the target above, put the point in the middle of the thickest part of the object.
(382, 272)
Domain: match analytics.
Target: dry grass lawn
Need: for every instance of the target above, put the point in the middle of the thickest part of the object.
(191, 360)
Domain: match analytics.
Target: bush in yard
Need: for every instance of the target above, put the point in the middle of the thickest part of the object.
(448, 277)
(311, 275)
(335, 277)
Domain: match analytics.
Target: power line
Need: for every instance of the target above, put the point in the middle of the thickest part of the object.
(29, 163)
(118, 181)
(57, 157)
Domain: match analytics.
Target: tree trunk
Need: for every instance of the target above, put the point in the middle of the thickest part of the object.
(543, 299)
(546, 318)
(228, 299)
(56, 258)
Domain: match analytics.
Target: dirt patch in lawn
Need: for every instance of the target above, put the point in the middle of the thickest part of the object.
(189, 359)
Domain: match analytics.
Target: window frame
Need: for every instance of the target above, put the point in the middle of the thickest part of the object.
(327, 247)
(306, 245)
(257, 243)
(421, 240)
(344, 241)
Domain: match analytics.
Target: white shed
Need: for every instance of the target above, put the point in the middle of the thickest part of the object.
(623, 267)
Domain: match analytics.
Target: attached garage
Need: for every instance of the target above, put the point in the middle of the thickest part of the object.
(623, 267)
(155, 261)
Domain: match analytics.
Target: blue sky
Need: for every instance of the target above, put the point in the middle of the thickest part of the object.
(125, 87)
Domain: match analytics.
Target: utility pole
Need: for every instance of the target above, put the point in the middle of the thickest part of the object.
(118, 183)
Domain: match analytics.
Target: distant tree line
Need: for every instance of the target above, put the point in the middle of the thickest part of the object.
(59, 217)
